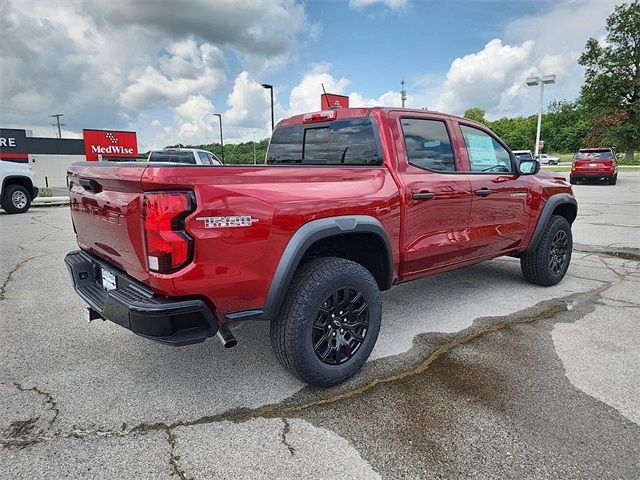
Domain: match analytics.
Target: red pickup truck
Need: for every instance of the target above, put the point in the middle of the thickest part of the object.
(348, 203)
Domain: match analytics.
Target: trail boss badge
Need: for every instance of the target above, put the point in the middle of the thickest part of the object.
(226, 222)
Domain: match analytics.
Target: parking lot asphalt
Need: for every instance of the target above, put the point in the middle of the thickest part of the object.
(476, 374)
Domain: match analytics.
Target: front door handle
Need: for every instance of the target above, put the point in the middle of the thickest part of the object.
(484, 192)
(423, 196)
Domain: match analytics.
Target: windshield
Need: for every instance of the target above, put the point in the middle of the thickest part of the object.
(523, 155)
(341, 142)
(173, 156)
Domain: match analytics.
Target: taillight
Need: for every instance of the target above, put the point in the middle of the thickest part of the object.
(169, 246)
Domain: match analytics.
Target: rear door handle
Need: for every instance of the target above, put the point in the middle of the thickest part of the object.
(423, 196)
(483, 192)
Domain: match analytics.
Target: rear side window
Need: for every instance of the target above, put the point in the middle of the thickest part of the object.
(428, 144)
(486, 154)
(596, 153)
(341, 142)
(204, 159)
(175, 157)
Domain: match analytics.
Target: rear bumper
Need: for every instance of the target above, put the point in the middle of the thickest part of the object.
(134, 305)
(593, 173)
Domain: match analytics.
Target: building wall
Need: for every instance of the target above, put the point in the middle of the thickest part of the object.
(52, 169)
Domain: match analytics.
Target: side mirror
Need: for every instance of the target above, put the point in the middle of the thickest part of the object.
(528, 166)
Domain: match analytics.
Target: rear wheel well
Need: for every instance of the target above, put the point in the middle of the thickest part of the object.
(566, 210)
(367, 249)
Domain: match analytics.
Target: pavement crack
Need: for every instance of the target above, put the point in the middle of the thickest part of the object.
(482, 326)
(39, 219)
(22, 433)
(49, 401)
(286, 429)
(12, 272)
(173, 458)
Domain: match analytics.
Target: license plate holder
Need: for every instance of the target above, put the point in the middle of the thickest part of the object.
(109, 281)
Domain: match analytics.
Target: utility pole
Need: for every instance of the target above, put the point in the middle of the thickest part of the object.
(221, 140)
(403, 93)
(58, 124)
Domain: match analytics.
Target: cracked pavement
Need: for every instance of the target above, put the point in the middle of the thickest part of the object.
(476, 374)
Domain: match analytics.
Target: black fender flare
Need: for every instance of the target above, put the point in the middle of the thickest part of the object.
(19, 180)
(553, 202)
(302, 239)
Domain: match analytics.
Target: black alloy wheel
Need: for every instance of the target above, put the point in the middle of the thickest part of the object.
(341, 326)
(559, 252)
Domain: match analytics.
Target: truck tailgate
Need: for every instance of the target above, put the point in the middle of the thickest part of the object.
(106, 210)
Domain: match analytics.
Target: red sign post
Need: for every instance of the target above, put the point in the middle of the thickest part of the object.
(99, 144)
(331, 100)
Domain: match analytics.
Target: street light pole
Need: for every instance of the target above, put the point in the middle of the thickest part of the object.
(270, 87)
(221, 140)
(532, 82)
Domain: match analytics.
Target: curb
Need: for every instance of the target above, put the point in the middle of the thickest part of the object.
(50, 201)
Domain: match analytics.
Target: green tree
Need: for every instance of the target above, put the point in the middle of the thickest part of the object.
(612, 80)
(476, 114)
(517, 132)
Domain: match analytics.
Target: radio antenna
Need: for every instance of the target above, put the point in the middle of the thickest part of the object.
(326, 97)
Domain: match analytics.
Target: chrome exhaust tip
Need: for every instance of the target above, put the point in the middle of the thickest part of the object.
(226, 337)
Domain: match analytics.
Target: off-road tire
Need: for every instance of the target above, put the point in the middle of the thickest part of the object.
(8, 196)
(536, 266)
(292, 329)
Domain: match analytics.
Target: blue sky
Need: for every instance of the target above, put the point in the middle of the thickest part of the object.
(163, 68)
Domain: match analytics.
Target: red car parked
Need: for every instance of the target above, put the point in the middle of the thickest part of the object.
(594, 164)
(349, 203)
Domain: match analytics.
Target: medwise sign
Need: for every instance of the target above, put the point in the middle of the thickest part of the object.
(99, 144)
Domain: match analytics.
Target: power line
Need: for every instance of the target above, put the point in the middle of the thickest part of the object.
(58, 124)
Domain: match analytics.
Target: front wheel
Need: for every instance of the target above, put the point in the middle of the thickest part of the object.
(549, 262)
(329, 321)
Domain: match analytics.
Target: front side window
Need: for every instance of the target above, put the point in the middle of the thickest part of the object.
(486, 154)
(341, 142)
(428, 144)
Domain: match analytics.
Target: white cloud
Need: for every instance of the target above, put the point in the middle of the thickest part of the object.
(482, 79)
(187, 69)
(261, 27)
(249, 103)
(305, 97)
(107, 63)
(392, 4)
